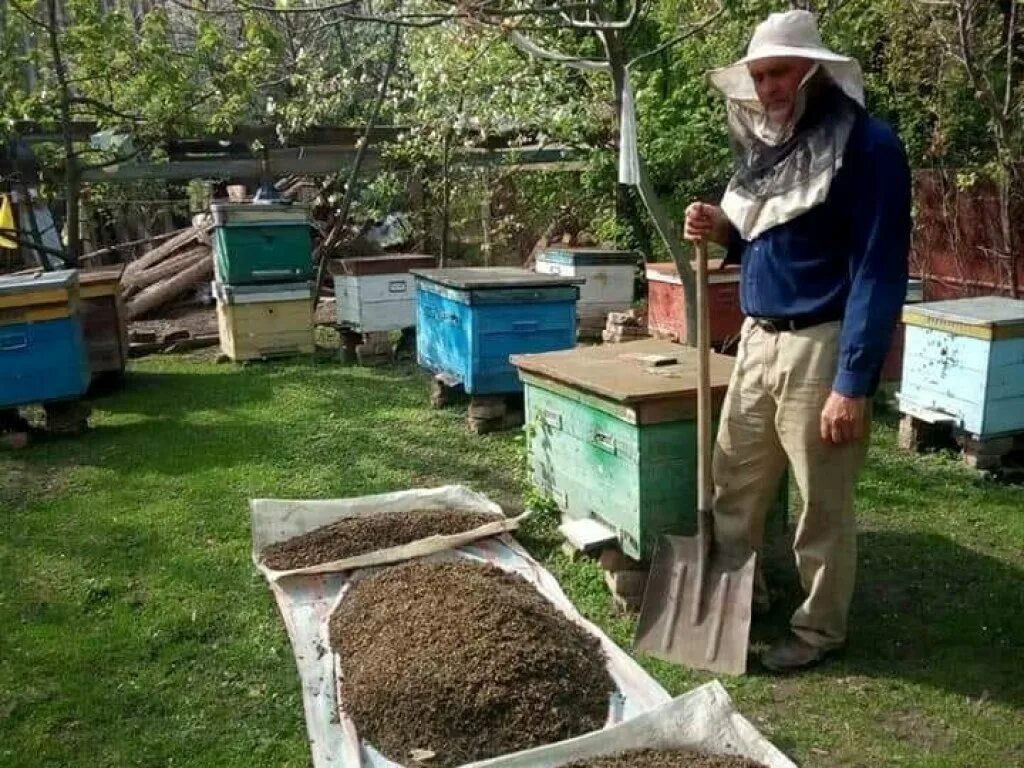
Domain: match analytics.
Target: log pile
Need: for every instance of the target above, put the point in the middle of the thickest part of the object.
(168, 272)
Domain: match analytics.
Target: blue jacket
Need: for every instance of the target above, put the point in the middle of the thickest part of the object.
(846, 258)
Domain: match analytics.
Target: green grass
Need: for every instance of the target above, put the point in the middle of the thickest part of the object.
(134, 630)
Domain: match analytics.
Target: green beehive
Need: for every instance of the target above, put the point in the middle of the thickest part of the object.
(612, 436)
(262, 243)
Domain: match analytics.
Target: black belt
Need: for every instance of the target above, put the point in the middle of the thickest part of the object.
(781, 324)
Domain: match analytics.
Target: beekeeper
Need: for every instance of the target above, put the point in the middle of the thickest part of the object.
(817, 214)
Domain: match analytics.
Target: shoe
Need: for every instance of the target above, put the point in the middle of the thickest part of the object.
(791, 653)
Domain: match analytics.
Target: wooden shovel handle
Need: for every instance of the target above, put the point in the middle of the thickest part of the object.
(705, 489)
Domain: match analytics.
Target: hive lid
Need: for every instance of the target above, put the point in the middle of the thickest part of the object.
(472, 278)
(983, 317)
(100, 274)
(587, 256)
(101, 277)
(384, 264)
(635, 371)
(226, 214)
(666, 272)
(38, 282)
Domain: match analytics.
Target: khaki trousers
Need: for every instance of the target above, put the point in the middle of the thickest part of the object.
(771, 417)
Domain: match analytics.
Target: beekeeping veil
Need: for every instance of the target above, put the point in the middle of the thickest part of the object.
(783, 171)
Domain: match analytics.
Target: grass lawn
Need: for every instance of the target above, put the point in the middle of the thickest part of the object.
(134, 630)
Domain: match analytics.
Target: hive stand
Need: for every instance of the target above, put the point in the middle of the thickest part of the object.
(1002, 455)
(375, 347)
(495, 413)
(485, 413)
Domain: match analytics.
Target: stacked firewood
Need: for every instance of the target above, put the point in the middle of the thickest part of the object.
(169, 272)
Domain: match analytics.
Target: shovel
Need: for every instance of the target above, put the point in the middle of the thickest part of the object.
(697, 604)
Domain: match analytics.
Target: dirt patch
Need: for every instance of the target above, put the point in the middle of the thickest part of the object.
(651, 758)
(915, 727)
(358, 535)
(465, 661)
(22, 483)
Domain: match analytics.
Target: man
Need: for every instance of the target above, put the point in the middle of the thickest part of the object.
(818, 215)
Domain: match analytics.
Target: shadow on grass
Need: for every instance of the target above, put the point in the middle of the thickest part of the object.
(940, 614)
(926, 610)
(189, 421)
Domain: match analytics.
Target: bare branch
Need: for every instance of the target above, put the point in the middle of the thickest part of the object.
(297, 10)
(205, 11)
(99, 105)
(1011, 34)
(388, 21)
(607, 26)
(692, 32)
(29, 17)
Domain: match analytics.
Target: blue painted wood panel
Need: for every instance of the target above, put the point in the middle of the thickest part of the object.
(1008, 352)
(979, 382)
(42, 361)
(472, 339)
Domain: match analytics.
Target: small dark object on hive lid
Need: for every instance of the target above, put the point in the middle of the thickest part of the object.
(358, 535)
(653, 758)
(465, 661)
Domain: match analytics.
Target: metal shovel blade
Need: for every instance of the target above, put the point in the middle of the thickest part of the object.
(700, 620)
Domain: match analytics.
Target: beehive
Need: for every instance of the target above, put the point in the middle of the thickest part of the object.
(470, 320)
(377, 293)
(261, 243)
(964, 362)
(666, 303)
(612, 435)
(608, 279)
(264, 321)
(42, 349)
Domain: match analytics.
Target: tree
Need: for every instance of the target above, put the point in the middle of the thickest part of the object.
(981, 39)
(78, 63)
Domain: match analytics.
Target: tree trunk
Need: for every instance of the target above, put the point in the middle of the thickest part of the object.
(161, 252)
(339, 225)
(162, 293)
(670, 237)
(72, 179)
(169, 268)
(659, 216)
(445, 198)
(1006, 226)
(485, 221)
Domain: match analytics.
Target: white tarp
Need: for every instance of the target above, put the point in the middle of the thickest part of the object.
(641, 713)
(702, 720)
(307, 600)
(276, 520)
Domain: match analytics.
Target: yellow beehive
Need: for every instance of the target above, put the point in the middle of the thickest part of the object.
(264, 321)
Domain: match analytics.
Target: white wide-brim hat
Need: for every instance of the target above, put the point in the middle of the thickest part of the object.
(793, 33)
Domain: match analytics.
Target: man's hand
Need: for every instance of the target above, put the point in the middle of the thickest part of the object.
(843, 419)
(706, 222)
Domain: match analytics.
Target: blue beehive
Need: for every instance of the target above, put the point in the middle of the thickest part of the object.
(43, 355)
(963, 362)
(471, 319)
